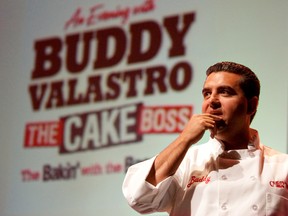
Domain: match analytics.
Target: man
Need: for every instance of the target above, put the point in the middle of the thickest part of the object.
(232, 174)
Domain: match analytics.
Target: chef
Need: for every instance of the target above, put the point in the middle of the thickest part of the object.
(231, 174)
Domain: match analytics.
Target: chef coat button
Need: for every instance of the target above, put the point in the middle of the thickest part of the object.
(224, 177)
(224, 206)
(255, 207)
(253, 178)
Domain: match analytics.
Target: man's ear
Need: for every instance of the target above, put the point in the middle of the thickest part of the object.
(252, 105)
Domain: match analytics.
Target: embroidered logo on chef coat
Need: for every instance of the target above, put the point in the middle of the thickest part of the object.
(198, 179)
(279, 184)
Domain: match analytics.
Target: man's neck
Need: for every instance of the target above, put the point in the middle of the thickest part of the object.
(239, 141)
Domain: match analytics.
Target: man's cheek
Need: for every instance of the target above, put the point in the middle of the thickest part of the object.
(204, 107)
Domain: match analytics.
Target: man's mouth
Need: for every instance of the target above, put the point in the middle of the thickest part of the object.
(220, 124)
(218, 113)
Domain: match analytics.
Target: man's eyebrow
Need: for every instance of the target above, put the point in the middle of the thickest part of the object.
(205, 90)
(225, 87)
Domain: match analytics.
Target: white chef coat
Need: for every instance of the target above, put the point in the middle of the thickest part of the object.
(212, 181)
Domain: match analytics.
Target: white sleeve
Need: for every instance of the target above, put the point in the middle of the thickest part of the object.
(143, 196)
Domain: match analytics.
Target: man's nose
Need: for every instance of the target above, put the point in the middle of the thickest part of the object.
(214, 102)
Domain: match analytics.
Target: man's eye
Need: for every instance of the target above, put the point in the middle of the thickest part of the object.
(227, 92)
(206, 94)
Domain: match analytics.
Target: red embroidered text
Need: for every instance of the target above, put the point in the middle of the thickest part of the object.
(195, 179)
(279, 184)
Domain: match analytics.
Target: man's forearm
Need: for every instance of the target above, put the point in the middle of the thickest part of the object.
(168, 161)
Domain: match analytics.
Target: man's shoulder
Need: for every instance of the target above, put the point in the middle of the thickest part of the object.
(275, 154)
(200, 146)
(204, 148)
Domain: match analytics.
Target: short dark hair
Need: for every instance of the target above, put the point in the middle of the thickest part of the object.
(250, 83)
